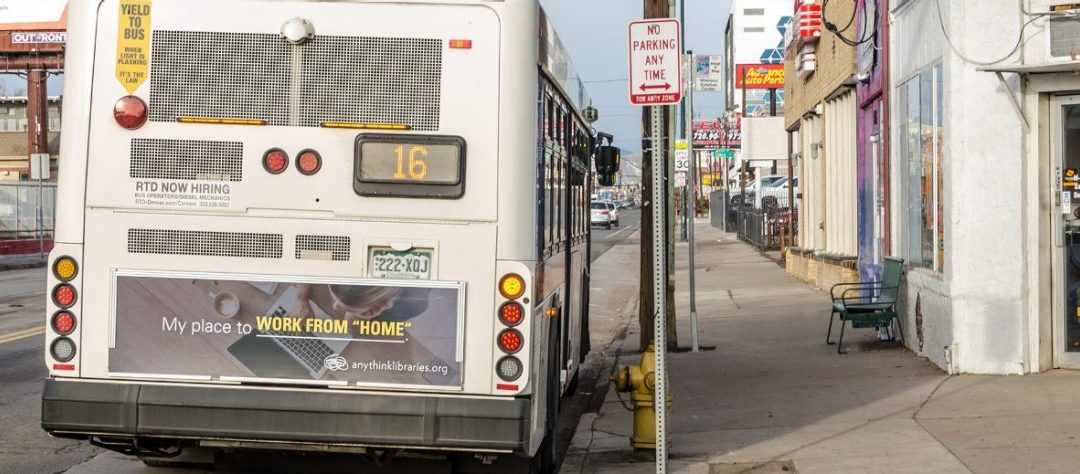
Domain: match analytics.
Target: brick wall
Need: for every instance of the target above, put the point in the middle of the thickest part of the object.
(835, 65)
(820, 272)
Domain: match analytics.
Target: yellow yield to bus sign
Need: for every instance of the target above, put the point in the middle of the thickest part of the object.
(133, 44)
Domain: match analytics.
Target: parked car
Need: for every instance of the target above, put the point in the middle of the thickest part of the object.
(600, 214)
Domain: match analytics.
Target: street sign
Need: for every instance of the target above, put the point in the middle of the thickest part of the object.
(682, 160)
(39, 166)
(708, 73)
(723, 153)
(655, 66)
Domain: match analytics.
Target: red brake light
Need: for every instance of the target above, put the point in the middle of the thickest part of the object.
(130, 112)
(309, 162)
(275, 160)
(63, 322)
(510, 341)
(64, 295)
(511, 313)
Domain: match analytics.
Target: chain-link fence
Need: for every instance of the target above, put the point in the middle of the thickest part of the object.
(27, 210)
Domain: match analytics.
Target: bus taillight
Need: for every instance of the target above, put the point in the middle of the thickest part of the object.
(130, 112)
(63, 322)
(511, 313)
(275, 160)
(62, 349)
(512, 286)
(509, 369)
(308, 162)
(510, 340)
(64, 295)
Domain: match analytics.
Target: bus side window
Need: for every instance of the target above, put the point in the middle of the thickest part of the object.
(549, 117)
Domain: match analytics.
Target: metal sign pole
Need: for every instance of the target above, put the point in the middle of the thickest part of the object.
(659, 277)
(691, 203)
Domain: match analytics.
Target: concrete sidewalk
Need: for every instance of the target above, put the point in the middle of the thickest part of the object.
(774, 396)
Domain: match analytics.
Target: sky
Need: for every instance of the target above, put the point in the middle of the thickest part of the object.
(595, 34)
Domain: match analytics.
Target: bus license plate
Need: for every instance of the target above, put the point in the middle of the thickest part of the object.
(409, 265)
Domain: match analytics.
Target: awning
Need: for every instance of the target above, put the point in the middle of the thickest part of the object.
(1043, 68)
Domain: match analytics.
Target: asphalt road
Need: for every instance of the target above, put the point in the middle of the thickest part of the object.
(24, 447)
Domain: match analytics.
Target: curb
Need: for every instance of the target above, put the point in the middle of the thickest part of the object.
(578, 452)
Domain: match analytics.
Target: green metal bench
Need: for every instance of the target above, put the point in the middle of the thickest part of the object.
(869, 304)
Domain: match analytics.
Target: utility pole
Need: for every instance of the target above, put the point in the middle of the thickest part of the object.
(654, 9)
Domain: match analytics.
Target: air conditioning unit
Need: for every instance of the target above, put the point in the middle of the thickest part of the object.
(1064, 32)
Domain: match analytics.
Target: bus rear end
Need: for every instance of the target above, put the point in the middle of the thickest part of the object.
(286, 225)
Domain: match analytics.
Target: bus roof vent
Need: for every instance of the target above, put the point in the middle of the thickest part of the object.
(322, 247)
(211, 244)
(255, 76)
(187, 159)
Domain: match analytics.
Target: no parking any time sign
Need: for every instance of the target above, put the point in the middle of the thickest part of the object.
(655, 70)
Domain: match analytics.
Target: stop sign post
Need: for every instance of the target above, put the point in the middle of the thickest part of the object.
(655, 62)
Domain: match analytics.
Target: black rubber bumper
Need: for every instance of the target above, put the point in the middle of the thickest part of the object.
(72, 408)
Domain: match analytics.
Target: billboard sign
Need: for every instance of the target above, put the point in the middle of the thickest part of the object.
(32, 14)
(759, 76)
(655, 62)
(706, 134)
(333, 332)
(708, 73)
(32, 37)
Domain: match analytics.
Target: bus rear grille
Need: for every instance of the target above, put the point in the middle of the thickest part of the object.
(186, 159)
(322, 247)
(339, 79)
(212, 244)
(219, 75)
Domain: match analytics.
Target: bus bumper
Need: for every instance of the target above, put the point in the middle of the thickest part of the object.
(82, 409)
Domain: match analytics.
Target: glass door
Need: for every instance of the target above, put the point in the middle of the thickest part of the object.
(1065, 166)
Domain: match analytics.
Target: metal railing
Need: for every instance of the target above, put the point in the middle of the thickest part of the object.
(765, 228)
(27, 210)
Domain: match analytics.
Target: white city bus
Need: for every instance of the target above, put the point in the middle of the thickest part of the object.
(336, 226)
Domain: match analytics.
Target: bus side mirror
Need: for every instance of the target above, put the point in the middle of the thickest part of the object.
(607, 164)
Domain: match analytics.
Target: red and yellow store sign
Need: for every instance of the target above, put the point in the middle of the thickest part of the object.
(759, 76)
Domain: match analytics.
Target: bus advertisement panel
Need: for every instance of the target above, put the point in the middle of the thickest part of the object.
(327, 331)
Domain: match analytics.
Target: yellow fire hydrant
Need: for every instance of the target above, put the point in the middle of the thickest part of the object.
(640, 381)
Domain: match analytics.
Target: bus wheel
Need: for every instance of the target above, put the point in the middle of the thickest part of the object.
(544, 461)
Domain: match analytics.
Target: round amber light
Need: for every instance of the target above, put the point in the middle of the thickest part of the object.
(512, 286)
(65, 269)
(511, 313)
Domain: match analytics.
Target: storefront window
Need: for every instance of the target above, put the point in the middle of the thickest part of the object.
(921, 132)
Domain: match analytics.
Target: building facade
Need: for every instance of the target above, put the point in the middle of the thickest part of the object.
(947, 133)
(821, 119)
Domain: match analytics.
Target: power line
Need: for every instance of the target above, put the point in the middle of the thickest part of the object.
(1019, 39)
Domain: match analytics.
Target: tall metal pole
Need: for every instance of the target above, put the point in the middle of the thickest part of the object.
(659, 195)
(691, 203)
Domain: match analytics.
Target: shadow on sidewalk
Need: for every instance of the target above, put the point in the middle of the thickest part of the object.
(773, 390)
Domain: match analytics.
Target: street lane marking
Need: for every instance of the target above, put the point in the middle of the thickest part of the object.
(23, 334)
(624, 229)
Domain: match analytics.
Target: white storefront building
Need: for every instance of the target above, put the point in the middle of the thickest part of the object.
(985, 126)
